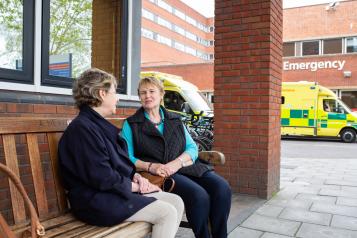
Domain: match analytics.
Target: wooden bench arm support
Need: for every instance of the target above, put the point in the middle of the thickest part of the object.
(37, 229)
(212, 157)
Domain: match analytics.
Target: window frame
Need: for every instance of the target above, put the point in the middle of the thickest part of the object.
(26, 75)
(346, 40)
(302, 48)
(66, 82)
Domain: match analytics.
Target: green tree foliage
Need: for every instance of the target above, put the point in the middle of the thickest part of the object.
(70, 29)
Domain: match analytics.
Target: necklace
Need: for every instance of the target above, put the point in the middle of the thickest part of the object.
(157, 123)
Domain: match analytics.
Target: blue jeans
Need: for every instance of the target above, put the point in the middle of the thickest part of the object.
(205, 198)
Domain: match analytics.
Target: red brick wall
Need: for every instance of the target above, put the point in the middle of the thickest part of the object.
(248, 49)
(200, 75)
(315, 21)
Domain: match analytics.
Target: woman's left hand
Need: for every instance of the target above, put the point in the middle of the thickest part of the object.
(144, 184)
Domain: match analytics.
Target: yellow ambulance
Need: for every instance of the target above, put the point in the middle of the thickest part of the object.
(309, 109)
(179, 92)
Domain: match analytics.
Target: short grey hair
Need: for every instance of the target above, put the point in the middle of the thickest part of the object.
(86, 87)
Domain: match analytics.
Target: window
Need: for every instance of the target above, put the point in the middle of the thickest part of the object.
(288, 49)
(148, 15)
(333, 106)
(173, 100)
(179, 30)
(146, 33)
(163, 22)
(351, 44)
(211, 56)
(350, 99)
(191, 20)
(191, 36)
(16, 41)
(310, 48)
(332, 46)
(190, 50)
(179, 46)
(179, 14)
(164, 40)
(164, 5)
(211, 43)
(211, 29)
(67, 43)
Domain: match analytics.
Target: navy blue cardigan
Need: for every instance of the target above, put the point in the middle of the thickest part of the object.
(96, 171)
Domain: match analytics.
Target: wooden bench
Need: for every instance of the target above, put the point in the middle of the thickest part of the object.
(28, 146)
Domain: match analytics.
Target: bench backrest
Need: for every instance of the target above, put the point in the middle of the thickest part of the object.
(28, 146)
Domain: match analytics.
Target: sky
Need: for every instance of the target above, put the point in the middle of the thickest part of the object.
(206, 7)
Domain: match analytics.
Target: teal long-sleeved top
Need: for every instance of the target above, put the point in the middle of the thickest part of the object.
(126, 133)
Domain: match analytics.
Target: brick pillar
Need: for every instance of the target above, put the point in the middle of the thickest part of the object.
(247, 84)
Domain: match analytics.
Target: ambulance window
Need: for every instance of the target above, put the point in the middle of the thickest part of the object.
(331, 105)
(173, 100)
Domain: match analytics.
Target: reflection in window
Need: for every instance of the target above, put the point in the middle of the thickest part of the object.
(179, 30)
(350, 99)
(11, 34)
(310, 48)
(351, 45)
(289, 49)
(180, 14)
(190, 50)
(333, 46)
(179, 46)
(70, 37)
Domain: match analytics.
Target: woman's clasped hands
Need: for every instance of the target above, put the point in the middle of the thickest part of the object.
(142, 185)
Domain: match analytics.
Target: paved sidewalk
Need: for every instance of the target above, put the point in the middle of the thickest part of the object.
(318, 199)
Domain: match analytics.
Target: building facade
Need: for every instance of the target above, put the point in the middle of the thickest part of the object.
(173, 33)
(320, 45)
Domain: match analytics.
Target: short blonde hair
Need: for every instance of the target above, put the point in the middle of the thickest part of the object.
(153, 81)
(86, 87)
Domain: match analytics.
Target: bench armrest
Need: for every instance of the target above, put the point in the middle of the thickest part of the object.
(212, 157)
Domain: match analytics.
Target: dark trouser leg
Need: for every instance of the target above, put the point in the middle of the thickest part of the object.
(196, 202)
(220, 201)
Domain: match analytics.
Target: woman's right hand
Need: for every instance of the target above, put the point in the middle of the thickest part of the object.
(159, 169)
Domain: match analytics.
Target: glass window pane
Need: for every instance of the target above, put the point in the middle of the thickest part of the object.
(191, 36)
(191, 20)
(164, 40)
(179, 46)
(70, 37)
(289, 49)
(351, 44)
(163, 22)
(310, 48)
(333, 46)
(148, 15)
(146, 33)
(350, 99)
(11, 34)
(179, 30)
(180, 14)
(164, 5)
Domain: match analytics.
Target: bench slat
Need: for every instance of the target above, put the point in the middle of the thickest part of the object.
(18, 205)
(63, 229)
(17, 125)
(77, 232)
(37, 174)
(53, 139)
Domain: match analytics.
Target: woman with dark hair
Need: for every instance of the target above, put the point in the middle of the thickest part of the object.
(160, 144)
(103, 187)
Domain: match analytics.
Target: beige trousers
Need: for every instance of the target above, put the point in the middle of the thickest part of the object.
(165, 214)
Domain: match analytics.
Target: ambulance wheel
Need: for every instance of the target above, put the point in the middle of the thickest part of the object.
(348, 135)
